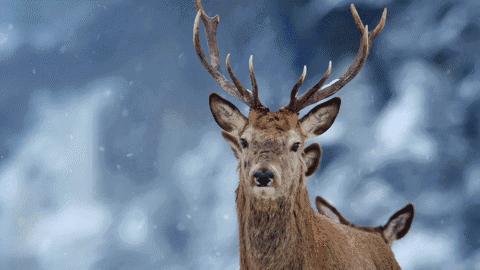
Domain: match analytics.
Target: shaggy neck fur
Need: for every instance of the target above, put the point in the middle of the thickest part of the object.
(274, 234)
(287, 234)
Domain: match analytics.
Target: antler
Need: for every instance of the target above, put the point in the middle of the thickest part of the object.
(317, 92)
(213, 67)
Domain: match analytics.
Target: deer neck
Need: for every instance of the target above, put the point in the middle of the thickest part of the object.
(274, 234)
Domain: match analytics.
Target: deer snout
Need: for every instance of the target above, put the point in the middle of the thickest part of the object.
(263, 177)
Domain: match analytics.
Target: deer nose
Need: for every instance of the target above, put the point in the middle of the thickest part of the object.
(263, 177)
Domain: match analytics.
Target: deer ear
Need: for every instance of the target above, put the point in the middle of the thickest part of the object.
(398, 224)
(227, 116)
(321, 117)
(233, 143)
(328, 210)
(312, 155)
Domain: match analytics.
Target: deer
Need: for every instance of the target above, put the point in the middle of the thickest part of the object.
(277, 226)
(395, 228)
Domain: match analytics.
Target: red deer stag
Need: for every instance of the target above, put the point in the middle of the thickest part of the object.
(278, 227)
(396, 227)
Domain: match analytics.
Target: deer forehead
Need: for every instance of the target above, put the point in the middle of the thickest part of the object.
(283, 120)
(281, 126)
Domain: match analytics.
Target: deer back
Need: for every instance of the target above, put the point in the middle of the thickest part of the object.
(343, 247)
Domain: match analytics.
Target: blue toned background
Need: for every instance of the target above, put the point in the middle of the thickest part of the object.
(110, 159)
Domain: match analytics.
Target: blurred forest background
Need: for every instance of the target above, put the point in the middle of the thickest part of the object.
(110, 159)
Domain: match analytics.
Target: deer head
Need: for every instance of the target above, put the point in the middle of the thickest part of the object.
(270, 146)
(396, 227)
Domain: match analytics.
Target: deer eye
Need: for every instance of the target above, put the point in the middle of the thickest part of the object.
(244, 143)
(295, 147)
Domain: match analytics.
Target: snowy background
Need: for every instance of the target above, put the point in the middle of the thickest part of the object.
(110, 159)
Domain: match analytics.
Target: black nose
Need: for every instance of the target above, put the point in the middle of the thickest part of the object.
(263, 177)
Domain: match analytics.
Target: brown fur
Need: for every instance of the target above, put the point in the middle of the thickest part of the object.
(389, 232)
(287, 234)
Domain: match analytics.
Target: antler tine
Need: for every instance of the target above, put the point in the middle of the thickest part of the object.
(213, 66)
(356, 18)
(296, 87)
(305, 97)
(379, 27)
(317, 92)
(244, 92)
(256, 99)
(360, 26)
(352, 71)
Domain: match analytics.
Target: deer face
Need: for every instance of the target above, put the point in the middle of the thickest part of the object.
(270, 146)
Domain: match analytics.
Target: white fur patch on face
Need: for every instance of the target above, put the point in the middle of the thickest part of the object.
(264, 192)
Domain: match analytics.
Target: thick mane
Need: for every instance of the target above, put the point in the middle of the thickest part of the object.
(271, 233)
(290, 235)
